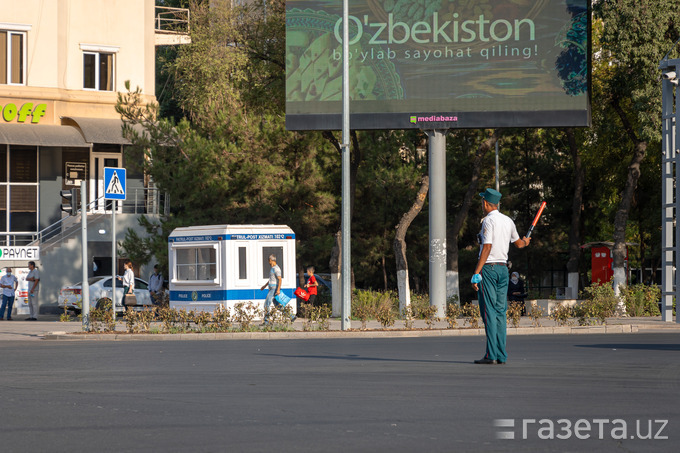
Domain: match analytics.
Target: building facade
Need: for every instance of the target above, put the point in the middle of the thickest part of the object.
(62, 64)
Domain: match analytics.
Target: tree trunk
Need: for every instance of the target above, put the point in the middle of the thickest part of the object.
(452, 278)
(576, 208)
(400, 244)
(623, 211)
(336, 254)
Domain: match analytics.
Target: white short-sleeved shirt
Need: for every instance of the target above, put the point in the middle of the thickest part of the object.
(35, 273)
(9, 280)
(498, 230)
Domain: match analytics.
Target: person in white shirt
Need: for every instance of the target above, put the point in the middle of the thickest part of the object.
(491, 275)
(155, 285)
(9, 284)
(128, 280)
(33, 279)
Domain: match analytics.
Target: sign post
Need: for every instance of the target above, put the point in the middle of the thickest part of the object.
(85, 290)
(115, 182)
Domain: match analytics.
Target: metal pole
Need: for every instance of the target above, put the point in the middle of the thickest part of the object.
(113, 259)
(346, 293)
(437, 162)
(498, 179)
(85, 287)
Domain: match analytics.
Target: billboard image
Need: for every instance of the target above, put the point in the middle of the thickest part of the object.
(439, 64)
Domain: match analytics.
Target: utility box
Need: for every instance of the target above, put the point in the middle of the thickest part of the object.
(223, 265)
(602, 262)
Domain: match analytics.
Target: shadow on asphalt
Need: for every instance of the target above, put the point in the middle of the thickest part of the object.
(355, 357)
(638, 346)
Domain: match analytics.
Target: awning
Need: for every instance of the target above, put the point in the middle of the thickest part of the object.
(100, 130)
(35, 135)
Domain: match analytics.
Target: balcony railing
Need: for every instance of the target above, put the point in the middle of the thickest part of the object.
(172, 25)
(138, 201)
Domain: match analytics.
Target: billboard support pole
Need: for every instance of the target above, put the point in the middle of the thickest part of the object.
(437, 170)
(346, 293)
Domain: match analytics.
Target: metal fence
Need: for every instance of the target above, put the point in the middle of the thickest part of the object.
(140, 201)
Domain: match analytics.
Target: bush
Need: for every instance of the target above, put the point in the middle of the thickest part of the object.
(318, 318)
(641, 300)
(561, 314)
(244, 314)
(385, 312)
(536, 313)
(600, 303)
(472, 315)
(514, 313)
(420, 304)
(430, 315)
(407, 314)
(453, 312)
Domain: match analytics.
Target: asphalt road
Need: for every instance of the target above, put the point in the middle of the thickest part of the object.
(330, 395)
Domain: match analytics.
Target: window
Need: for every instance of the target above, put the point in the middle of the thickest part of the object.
(19, 189)
(242, 269)
(107, 283)
(12, 57)
(98, 71)
(278, 253)
(196, 264)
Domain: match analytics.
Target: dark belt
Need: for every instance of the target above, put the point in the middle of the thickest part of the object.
(496, 264)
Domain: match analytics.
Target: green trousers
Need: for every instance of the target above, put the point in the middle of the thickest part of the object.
(493, 305)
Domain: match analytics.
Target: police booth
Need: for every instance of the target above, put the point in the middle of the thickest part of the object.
(222, 265)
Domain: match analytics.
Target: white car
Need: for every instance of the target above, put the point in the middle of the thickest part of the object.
(100, 288)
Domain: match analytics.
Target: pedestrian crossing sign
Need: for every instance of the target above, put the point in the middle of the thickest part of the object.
(114, 183)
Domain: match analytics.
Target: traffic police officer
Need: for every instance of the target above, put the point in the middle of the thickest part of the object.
(491, 275)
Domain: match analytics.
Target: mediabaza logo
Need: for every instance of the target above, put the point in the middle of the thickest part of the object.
(431, 119)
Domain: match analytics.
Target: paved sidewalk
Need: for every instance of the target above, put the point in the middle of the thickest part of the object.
(49, 327)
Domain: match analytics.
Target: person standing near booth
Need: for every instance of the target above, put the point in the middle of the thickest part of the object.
(33, 279)
(491, 275)
(9, 284)
(156, 286)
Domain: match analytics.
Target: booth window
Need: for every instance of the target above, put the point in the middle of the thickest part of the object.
(278, 253)
(12, 57)
(242, 270)
(196, 264)
(98, 71)
(19, 189)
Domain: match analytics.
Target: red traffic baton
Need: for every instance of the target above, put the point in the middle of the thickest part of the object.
(538, 216)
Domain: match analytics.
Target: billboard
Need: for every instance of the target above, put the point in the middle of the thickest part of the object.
(430, 64)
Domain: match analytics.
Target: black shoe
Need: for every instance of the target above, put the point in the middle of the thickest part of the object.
(293, 318)
(9, 319)
(499, 362)
(31, 319)
(485, 362)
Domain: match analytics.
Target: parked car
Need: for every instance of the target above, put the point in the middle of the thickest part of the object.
(100, 288)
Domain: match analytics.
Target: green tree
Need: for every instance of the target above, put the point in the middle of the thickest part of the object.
(636, 35)
(231, 160)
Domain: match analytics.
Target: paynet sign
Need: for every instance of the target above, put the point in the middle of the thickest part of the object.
(19, 253)
(488, 63)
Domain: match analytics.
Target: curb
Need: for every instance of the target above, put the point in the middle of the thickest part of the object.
(562, 330)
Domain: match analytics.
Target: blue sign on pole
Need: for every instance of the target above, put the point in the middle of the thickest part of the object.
(114, 183)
